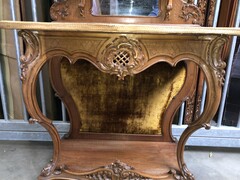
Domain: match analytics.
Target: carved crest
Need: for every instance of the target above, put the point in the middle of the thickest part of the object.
(59, 10)
(122, 56)
(32, 51)
(191, 12)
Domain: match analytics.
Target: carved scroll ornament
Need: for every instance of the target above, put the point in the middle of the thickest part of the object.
(32, 51)
(121, 57)
(215, 60)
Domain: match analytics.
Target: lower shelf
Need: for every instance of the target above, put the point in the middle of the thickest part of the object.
(109, 159)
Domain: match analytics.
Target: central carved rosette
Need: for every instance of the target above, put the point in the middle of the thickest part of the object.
(121, 57)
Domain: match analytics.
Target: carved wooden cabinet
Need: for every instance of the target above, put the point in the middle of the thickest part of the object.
(122, 84)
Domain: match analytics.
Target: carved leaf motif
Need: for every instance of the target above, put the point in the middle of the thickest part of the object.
(211, 13)
(32, 51)
(59, 10)
(116, 170)
(100, 175)
(122, 57)
(191, 11)
(202, 4)
(134, 176)
(216, 61)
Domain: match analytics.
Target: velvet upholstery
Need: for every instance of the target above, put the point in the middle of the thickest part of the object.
(134, 105)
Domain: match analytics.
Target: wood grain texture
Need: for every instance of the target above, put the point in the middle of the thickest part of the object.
(115, 28)
(82, 158)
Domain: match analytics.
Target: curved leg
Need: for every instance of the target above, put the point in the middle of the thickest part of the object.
(31, 63)
(213, 68)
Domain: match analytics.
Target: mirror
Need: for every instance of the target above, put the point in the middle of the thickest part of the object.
(125, 8)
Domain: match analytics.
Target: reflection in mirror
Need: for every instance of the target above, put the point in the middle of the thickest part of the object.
(125, 7)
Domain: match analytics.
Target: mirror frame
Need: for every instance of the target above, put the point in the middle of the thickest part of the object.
(171, 12)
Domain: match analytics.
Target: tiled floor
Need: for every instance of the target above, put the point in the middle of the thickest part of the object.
(24, 161)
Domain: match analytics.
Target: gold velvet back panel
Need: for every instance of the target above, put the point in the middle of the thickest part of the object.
(134, 105)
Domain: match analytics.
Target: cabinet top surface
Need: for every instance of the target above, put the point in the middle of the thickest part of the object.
(119, 28)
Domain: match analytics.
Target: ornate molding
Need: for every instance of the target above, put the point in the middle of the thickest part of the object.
(215, 59)
(121, 57)
(211, 13)
(116, 170)
(81, 7)
(59, 10)
(202, 4)
(191, 12)
(32, 51)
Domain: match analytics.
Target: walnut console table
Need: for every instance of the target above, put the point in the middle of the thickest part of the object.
(121, 50)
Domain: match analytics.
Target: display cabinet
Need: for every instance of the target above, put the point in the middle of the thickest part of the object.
(122, 79)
